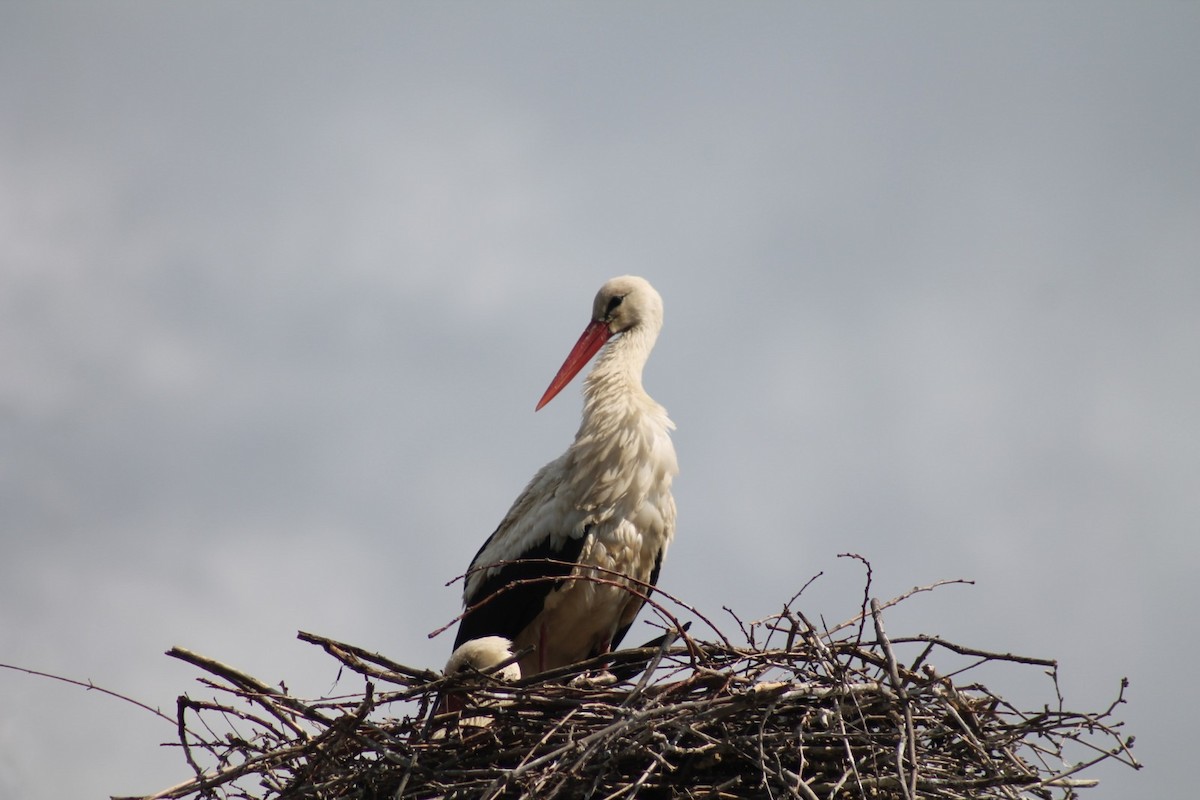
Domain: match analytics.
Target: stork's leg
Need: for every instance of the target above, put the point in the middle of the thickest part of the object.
(541, 653)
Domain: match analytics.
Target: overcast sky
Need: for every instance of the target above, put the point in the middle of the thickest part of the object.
(280, 284)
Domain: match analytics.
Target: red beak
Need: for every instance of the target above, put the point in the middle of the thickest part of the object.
(593, 338)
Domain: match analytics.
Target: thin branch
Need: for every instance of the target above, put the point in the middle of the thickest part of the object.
(91, 687)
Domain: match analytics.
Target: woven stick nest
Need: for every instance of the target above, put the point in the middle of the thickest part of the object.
(792, 711)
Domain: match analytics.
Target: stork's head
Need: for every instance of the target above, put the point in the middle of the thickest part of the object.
(621, 305)
(627, 302)
(483, 654)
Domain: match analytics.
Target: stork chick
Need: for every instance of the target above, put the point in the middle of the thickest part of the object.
(482, 655)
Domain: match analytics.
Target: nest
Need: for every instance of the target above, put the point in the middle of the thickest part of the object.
(791, 711)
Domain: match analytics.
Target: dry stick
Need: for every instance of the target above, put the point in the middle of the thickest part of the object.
(971, 651)
(787, 613)
(352, 656)
(497, 786)
(1116, 752)
(951, 710)
(845, 737)
(836, 669)
(182, 703)
(668, 639)
(803, 788)
(910, 790)
(90, 687)
(631, 789)
(762, 753)
(340, 728)
(866, 591)
(601, 661)
(589, 751)
(807, 583)
(915, 666)
(899, 599)
(255, 689)
(392, 672)
(596, 736)
(220, 777)
(1120, 697)
(213, 705)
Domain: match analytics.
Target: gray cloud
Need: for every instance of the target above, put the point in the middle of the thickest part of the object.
(279, 288)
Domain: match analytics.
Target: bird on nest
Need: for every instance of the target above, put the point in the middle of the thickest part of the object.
(570, 565)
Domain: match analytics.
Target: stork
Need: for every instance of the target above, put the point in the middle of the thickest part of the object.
(606, 502)
(484, 655)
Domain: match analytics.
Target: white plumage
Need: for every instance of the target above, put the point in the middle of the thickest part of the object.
(484, 654)
(605, 502)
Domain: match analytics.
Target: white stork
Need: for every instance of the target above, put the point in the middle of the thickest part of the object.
(606, 502)
(482, 655)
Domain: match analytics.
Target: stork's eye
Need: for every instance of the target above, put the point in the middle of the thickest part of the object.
(613, 303)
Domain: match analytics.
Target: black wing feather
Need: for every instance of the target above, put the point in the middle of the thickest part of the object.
(513, 610)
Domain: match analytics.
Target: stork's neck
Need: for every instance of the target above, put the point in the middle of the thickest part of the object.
(614, 386)
(622, 453)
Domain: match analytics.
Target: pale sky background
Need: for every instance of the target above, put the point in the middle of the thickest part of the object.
(281, 282)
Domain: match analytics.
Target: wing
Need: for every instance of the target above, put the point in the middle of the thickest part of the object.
(633, 608)
(510, 611)
(542, 524)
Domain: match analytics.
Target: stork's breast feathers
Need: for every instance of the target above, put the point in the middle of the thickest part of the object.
(612, 486)
(627, 547)
(624, 480)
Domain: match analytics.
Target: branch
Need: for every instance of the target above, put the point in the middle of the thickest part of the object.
(90, 687)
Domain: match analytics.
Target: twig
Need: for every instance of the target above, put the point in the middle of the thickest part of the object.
(91, 687)
(910, 740)
(254, 688)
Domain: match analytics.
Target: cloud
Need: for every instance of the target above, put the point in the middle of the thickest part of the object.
(278, 294)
